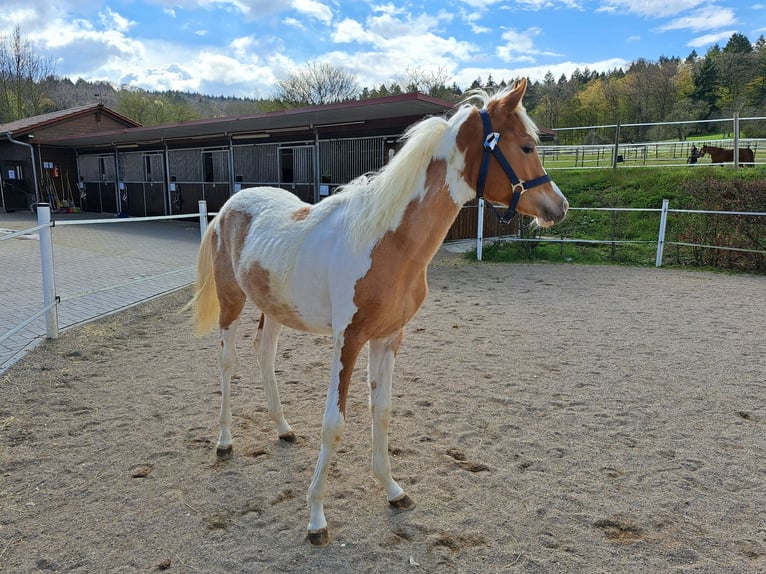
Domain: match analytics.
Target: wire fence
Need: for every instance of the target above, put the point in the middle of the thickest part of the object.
(652, 144)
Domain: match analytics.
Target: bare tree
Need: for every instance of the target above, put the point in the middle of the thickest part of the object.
(22, 77)
(431, 82)
(317, 83)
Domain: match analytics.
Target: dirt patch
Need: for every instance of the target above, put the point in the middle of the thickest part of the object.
(546, 419)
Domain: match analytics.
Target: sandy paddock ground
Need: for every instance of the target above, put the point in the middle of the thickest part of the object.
(547, 418)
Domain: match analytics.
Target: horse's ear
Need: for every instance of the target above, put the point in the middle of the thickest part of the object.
(513, 98)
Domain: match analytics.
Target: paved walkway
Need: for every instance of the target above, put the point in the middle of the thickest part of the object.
(100, 268)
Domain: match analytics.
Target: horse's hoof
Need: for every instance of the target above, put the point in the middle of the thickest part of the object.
(404, 502)
(224, 452)
(319, 537)
(290, 437)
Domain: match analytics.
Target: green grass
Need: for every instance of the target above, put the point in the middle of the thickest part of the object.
(586, 253)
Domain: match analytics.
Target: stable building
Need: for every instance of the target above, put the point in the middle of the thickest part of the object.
(32, 171)
(101, 162)
(93, 159)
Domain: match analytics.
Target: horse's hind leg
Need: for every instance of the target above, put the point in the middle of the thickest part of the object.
(226, 360)
(266, 350)
(380, 369)
(231, 308)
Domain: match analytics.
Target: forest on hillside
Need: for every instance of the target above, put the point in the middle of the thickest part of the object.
(724, 80)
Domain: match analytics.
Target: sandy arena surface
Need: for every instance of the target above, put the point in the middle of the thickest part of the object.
(547, 418)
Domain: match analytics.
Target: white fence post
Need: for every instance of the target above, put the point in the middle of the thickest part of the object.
(661, 238)
(202, 217)
(480, 229)
(49, 279)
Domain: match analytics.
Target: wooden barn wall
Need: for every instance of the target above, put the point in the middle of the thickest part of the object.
(466, 225)
(85, 124)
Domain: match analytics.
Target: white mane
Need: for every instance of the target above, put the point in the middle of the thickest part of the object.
(379, 199)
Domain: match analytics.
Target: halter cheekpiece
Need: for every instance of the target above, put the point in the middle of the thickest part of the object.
(519, 186)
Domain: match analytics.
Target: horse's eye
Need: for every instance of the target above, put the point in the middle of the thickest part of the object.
(527, 148)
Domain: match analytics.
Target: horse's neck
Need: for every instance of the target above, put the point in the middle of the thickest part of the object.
(426, 221)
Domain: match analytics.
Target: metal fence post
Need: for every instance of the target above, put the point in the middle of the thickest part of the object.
(735, 155)
(480, 229)
(49, 279)
(661, 238)
(202, 217)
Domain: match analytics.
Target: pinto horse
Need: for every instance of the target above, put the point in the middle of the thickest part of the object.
(353, 266)
(720, 155)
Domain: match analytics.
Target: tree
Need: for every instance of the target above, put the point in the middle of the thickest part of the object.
(315, 84)
(431, 82)
(738, 44)
(706, 81)
(23, 76)
(152, 108)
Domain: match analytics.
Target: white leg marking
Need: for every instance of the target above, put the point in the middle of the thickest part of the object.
(226, 359)
(380, 370)
(266, 350)
(332, 432)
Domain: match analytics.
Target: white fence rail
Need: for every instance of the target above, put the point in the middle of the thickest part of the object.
(660, 241)
(121, 285)
(51, 299)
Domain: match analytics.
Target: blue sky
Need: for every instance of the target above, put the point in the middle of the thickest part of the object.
(243, 47)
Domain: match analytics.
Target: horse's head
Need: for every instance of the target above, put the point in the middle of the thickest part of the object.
(703, 150)
(500, 146)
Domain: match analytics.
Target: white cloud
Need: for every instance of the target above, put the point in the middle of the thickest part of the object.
(348, 30)
(708, 39)
(480, 4)
(519, 46)
(294, 23)
(471, 18)
(708, 18)
(649, 8)
(113, 20)
(316, 10)
(536, 73)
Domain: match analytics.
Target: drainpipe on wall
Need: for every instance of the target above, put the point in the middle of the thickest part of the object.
(32, 155)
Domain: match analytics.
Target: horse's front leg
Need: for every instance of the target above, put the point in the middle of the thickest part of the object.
(266, 350)
(380, 372)
(345, 352)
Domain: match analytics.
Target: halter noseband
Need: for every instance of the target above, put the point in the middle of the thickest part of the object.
(519, 186)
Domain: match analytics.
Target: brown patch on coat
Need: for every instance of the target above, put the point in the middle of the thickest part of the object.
(300, 214)
(259, 290)
(232, 232)
(395, 286)
(234, 229)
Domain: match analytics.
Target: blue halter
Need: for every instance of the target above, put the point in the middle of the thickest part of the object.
(519, 186)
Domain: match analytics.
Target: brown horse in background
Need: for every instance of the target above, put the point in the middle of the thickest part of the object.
(720, 155)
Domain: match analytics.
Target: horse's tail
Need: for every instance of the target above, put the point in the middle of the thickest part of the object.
(204, 304)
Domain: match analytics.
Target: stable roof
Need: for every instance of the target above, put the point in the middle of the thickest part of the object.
(409, 107)
(26, 126)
